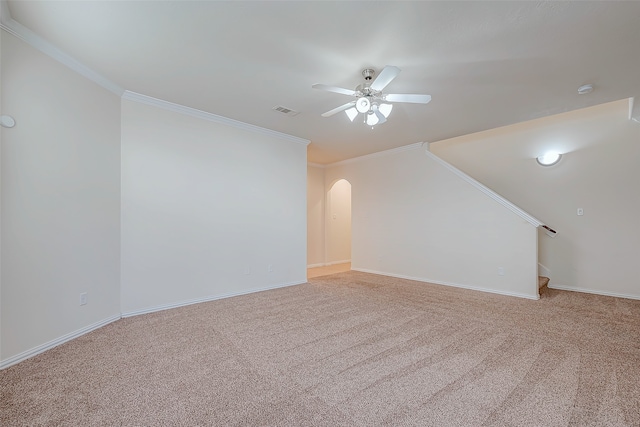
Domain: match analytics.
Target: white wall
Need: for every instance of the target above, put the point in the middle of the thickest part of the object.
(315, 216)
(338, 223)
(2, 130)
(60, 201)
(411, 217)
(209, 209)
(328, 219)
(203, 204)
(599, 172)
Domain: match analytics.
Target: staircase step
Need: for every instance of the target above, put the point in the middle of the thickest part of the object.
(542, 285)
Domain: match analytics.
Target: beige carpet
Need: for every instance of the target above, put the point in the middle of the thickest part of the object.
(350, 349)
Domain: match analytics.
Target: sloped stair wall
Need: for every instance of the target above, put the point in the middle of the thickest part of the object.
(415, 216)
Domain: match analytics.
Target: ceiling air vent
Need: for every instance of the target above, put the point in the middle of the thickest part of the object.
(285, 110)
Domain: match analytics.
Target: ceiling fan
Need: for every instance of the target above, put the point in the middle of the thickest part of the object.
(370, 101)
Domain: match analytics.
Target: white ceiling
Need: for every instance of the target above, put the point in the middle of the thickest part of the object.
(486, 64)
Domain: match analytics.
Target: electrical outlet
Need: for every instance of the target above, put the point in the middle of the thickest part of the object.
(270, 268)
(500, 271)
(580, 211)
(83, 298)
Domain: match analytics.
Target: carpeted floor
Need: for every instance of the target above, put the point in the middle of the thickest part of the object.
(350, 349)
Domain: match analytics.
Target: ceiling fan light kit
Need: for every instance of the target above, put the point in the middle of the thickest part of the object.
(371, 119)
(352, 113)
(385, 109)
(370, 101)
(363, 105)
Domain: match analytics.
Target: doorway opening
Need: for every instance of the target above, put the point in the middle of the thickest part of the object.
(337, 231)
(338, 223)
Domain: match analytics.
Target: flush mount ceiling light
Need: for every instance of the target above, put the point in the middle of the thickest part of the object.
(549, 159)
(374, 105)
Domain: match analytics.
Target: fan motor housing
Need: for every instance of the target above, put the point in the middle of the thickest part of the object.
(368, 73)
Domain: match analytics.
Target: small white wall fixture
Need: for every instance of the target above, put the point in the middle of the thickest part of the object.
(7, 121)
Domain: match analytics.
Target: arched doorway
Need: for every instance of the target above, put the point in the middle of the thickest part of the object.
(338, 223)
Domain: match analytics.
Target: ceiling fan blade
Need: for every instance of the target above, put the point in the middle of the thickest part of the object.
(385, 77)
(406, 97)
(334, 89)
(378, 113)
(338, 109)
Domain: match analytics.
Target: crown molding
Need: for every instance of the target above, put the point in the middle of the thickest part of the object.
(188, 111)
(23, 33)
(316, 165)
(384, 153)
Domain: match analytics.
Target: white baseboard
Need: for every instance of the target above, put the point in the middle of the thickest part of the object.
(344, 261)
(320, 264)
(206, 299)
(326, 264)
(56, 342)
(455, 285)
(68, 337)
(591, 291)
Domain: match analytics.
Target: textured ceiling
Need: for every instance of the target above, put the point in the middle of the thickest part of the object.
(486, 64)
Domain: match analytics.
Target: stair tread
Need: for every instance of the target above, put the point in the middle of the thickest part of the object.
(542, 285)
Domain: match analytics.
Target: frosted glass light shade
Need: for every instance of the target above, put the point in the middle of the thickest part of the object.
(385, 109)
(363, 104)
(372, 119)
(352, 113)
